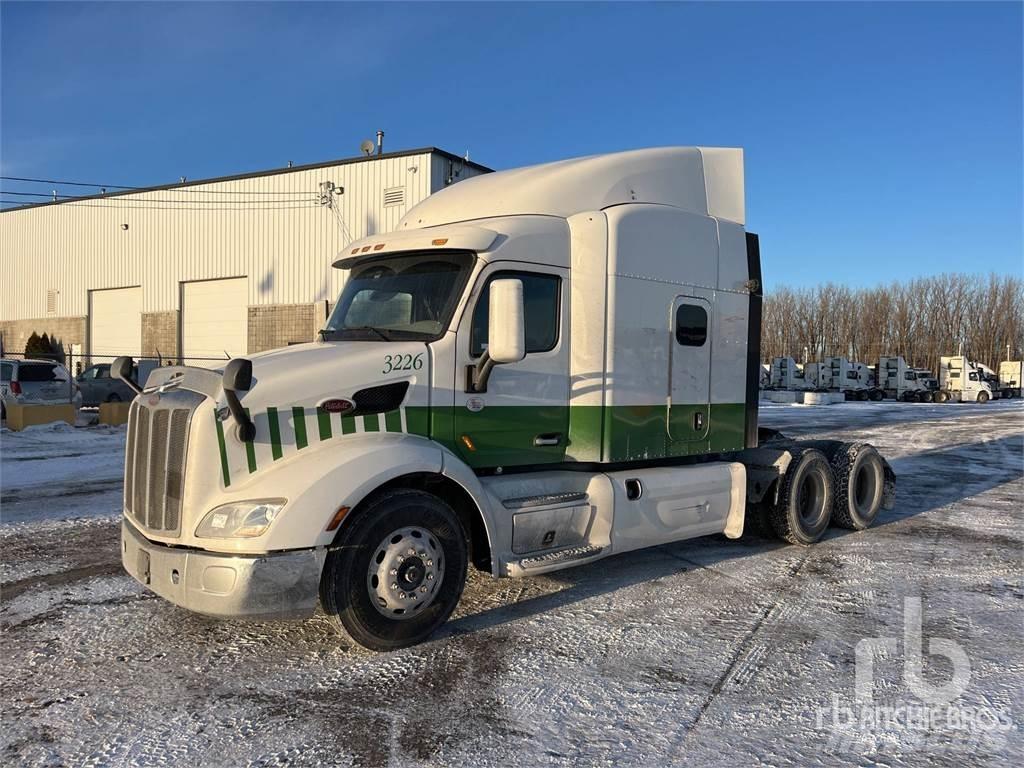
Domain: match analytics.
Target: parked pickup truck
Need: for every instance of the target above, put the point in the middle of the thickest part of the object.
(538, 369)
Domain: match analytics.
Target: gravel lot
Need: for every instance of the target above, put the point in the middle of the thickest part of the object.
(736, 652)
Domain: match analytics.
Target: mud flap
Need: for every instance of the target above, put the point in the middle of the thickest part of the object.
(889, 489)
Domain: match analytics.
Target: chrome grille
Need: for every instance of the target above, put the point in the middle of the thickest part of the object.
(155, 459)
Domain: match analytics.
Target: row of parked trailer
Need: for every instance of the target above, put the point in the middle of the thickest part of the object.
(959, 380)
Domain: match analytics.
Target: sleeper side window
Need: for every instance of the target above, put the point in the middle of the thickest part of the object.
(691, 325)
(541, 307)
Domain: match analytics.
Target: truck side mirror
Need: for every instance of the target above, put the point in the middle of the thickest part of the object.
(506, 334)
(238, 378)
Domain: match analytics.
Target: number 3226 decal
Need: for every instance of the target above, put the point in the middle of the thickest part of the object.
(402, 363)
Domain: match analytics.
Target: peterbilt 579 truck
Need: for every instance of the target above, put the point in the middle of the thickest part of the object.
(540, 368)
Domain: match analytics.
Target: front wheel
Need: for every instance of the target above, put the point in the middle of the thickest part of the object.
(397, 571)
(983, 397)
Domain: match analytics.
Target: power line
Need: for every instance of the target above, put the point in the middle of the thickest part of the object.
(144, 189)
(185, 205)
(67, 183)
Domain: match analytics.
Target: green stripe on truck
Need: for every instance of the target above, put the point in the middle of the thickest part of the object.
(225, 471)
(299, 419)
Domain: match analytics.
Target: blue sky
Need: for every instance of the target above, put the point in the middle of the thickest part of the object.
(883, 141)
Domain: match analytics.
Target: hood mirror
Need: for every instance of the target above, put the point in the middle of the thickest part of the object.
(238, 378)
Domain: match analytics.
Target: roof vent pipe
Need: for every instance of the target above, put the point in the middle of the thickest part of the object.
(380, 142)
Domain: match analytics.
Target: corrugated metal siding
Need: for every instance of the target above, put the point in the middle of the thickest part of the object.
(270, 229)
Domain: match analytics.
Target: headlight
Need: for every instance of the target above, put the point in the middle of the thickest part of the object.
(240, 519)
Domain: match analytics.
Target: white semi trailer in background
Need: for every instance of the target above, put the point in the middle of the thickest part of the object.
(962, 381)
(540, 368)
(787, 374)
(901, 382)
(1011, 374)
(837, 374)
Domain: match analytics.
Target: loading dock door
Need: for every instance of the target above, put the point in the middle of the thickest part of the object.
(214, 321)
(115, 323)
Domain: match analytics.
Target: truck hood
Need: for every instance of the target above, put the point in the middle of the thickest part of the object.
(307, 374)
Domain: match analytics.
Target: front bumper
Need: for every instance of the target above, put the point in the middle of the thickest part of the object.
(272, 586)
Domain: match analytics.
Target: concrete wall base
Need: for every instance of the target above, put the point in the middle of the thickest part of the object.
(114, 413)
(784, 396)
(21, 416)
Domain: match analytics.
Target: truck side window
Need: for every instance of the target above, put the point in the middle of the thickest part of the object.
(691, 325)
(540, 301)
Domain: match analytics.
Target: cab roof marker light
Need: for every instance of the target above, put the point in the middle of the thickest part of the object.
(378, 246)
(439, 241)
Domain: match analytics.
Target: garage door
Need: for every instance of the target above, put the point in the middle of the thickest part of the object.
(214, 320)
(115, 323)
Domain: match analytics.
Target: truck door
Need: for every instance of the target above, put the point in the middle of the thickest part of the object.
(523, 417)
(689, 412)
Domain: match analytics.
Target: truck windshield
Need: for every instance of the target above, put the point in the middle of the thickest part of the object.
(400, 298)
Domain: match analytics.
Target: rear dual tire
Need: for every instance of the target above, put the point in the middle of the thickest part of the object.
(804, 506)
(859, 486)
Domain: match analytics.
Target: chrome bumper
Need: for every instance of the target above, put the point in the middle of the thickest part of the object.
(274, 586)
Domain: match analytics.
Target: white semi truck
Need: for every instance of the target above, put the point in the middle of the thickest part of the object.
(1011, 374)
(540, 368)
(837, 374)
(786, 373)
(901, 382)
(961, 380)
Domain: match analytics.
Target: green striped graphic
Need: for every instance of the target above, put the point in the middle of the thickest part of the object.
(275, 434)
(299, 417)
(225, 472)
(250, 452)
(505, 435)
(323, 420)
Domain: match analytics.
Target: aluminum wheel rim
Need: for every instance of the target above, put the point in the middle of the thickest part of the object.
(405, 572)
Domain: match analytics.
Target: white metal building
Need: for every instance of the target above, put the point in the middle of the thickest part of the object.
(203, 269)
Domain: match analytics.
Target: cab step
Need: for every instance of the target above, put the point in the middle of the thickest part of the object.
(560, 557)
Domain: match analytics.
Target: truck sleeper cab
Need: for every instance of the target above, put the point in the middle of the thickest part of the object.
(540, 368)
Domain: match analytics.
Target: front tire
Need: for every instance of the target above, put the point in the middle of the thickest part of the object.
(983, 397)
(396, 571)
(860, 486)
(804, 506)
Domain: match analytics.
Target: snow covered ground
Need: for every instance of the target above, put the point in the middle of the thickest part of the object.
(707, 651)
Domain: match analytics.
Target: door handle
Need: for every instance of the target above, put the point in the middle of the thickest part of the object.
(698, 421)
(551, 438)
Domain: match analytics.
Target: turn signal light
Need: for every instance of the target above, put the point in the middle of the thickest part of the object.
(336, 520)
(466, 441)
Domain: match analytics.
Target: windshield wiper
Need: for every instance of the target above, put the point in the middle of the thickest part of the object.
(371, 328)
